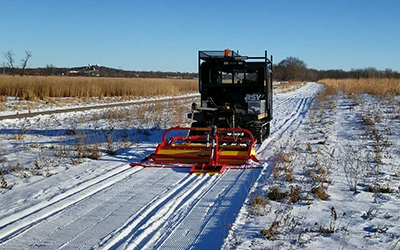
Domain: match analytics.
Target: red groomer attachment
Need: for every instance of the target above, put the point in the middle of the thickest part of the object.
(206, 150)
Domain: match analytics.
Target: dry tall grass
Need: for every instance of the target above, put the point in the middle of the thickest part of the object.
(289, 86)
(33, 87)
(375, 86)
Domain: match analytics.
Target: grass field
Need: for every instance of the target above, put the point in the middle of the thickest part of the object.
(374, 86)
(42, 87)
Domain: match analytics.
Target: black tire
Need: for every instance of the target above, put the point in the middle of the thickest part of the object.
(260, 131)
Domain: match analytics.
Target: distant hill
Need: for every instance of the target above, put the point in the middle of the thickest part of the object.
(101, 71)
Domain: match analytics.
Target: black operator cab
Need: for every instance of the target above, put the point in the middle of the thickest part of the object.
(236, 91)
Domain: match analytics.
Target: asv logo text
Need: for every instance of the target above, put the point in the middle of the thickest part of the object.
(252, 97)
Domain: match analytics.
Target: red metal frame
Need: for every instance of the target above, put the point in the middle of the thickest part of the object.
(204, 152)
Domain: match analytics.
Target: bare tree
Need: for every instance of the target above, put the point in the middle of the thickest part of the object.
(9, 55)
(50, 69)
(28, 54)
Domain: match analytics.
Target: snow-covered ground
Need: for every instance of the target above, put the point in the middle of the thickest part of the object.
(15, 106)
(66, 180)
(333, 180)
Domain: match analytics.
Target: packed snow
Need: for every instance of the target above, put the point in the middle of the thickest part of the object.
(66, 182)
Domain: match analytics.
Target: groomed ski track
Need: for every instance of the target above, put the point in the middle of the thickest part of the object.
(149, 208)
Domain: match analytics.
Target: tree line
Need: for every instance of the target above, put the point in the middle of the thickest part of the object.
(289, 69)
(10, 67)
(294, 69)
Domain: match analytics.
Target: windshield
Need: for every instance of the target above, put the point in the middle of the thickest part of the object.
(232, 76)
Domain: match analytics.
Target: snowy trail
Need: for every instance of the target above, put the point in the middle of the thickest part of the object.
(150, 208)
(24, 219)
(289, 112)
(87, 217)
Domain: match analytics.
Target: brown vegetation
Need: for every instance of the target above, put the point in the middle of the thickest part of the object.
(376, 86)
(3, 183)
(276, 194)
(320, 192)
(257, 203)
(294, 195)
(289, 86)
(40, 87)
(271, 232)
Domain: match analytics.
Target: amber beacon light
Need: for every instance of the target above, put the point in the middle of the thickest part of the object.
(227, 53)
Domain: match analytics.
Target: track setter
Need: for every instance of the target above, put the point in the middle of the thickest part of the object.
(234, 114)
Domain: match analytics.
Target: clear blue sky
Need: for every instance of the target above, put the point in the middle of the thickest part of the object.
(166, 35)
